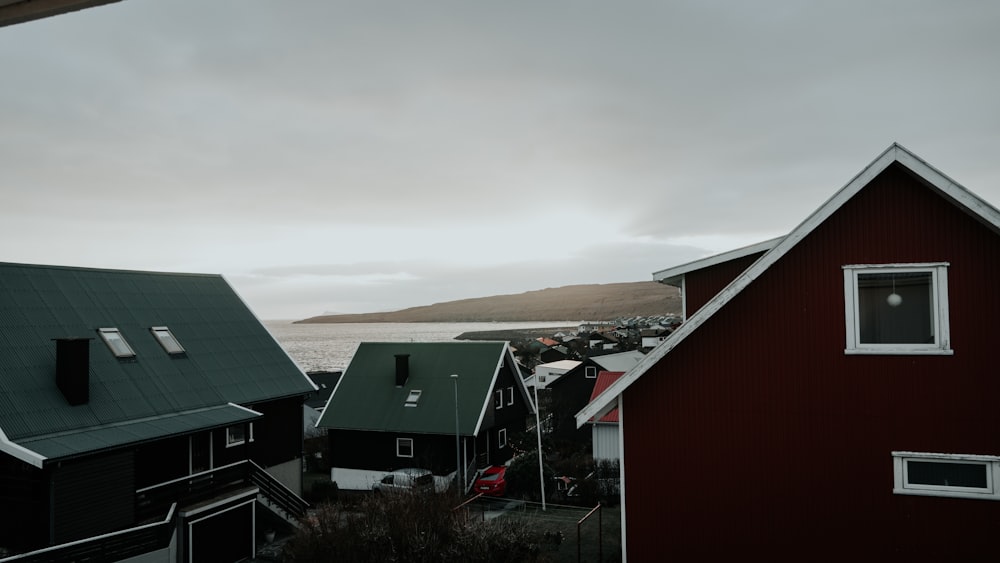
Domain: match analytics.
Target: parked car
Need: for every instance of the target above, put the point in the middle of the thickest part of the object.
(492, 482)
(408, 479)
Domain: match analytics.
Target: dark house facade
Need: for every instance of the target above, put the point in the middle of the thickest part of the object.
(141, 414)
(395, 407)
(572, 391)
(830, 397)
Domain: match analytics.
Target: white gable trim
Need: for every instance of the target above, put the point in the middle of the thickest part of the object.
(521, 383)
(675, 276)
(20, 452)
(895, 153)
(505, 356)
(489, 391)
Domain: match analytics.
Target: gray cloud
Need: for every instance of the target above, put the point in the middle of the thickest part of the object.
(422, 152)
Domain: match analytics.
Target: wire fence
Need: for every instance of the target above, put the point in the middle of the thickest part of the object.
(565, 533)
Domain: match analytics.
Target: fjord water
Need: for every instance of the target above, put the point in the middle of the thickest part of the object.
(330, 346)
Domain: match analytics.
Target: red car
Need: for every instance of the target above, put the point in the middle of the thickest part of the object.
(492, 481)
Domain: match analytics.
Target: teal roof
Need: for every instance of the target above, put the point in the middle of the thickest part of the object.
(366, 398)
(229, 356)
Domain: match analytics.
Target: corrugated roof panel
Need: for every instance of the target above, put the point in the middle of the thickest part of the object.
(230, 356)
(64, 444)
(366, 398)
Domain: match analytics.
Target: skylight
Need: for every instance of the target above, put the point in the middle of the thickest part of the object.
(116, 342)
(411, 400)
(167, 340)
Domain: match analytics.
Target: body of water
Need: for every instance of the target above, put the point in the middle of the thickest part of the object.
(331, 346)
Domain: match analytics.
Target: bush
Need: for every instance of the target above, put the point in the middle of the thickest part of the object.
(322, 491)
(407, 527)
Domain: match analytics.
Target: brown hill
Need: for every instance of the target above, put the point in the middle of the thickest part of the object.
(592, 302)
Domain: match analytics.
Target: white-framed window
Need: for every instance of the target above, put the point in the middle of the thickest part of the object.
(498, 399)
(510, 395)
(167, 340)
(237, 434)
(896, 309)
(946, 475)
(413, 398)
(404, 447)
(590, 372)
(502, 438)
(116, 342)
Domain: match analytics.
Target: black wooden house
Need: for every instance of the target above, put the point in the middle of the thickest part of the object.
(141, 414)
(397, 405)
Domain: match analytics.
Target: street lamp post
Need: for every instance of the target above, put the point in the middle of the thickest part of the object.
(458, 448)
(538, 432)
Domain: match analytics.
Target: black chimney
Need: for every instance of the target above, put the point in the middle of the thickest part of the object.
(73, 369)
(402, 369)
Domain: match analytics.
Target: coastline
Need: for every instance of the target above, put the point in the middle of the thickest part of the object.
(513, 334)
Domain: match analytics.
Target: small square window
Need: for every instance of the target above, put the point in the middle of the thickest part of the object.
(897, 309)
(116, 342)
(590, 372)
(167, 340)
(237, 434)
(502, 438)
(404, 447)
(946, 475)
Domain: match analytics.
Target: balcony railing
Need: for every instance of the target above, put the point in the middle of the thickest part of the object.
(164, 498)
(214, 482)
(114, 546)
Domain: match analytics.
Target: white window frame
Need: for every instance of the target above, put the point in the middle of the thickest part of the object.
(400, 441)
(167, 340)
(510, 395)
(230, 442)
(498, 399)
(113, 334)
(940, 320)
(502, 438)
(413, 398)
(590, 372)
(902, 486)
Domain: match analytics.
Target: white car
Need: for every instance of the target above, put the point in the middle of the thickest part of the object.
(408, 479)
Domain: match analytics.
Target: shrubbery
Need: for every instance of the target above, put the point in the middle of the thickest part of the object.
(407, 527)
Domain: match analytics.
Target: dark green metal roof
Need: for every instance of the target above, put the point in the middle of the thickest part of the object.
(366, 398)
(87, 440)
(230, 357)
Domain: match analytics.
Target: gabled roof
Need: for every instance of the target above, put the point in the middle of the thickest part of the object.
(933, 178)
(21, 11)
(367, 398)
(622, 361)
(325, 381)
(564, 365)
(604, 380)
(675, 275)
(229, 357)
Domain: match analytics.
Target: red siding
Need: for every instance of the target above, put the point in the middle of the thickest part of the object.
(758, 433)
(700, 286)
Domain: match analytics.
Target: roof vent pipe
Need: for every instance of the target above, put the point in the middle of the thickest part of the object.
(402, 369)
(73, 369)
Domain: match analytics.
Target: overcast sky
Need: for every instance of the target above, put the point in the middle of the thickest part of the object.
(374, 155)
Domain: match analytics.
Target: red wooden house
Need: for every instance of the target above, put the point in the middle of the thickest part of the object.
(833, 394)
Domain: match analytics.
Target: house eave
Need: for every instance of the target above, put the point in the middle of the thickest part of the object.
(675, 275)
(20, 452)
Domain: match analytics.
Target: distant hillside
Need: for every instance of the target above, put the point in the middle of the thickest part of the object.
(570, 303)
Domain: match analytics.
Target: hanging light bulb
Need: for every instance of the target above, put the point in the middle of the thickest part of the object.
(894, 299)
